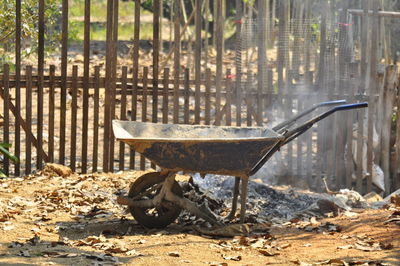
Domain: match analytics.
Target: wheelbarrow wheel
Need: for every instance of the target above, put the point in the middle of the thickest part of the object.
(147, 187)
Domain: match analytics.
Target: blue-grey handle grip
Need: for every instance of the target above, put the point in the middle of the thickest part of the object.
(351, 106)
(332, 102)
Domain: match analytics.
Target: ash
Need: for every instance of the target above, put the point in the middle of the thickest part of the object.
(277, 202)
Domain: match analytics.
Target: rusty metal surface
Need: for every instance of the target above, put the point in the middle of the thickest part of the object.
(202, 149)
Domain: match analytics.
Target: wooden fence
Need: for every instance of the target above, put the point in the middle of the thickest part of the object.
(64, 115)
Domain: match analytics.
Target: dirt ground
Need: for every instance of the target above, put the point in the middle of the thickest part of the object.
(75, 220)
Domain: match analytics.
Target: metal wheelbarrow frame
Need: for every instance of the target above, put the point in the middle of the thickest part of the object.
(234, 151)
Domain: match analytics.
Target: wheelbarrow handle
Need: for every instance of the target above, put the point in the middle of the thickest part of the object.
(286, 124)
(292, 134)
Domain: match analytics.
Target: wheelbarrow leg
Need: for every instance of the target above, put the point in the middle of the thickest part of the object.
(243, 198)
(231, 215)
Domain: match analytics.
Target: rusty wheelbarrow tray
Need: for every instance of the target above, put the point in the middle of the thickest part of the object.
(155, 199)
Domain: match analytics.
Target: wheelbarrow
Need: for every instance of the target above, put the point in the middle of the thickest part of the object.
(155, 199)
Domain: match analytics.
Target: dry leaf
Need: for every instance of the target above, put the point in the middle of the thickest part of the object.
(174, 254)
(133, 252)
(116, 249)
(346, 247)
(301, 263)
(336, 262)
(268, 253)
(235, 258)
(285, 245)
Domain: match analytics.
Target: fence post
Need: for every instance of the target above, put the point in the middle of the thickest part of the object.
(6, 114)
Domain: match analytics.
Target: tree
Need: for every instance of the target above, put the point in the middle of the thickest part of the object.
(29, 27)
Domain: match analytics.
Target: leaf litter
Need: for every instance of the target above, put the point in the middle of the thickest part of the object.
(89, 200)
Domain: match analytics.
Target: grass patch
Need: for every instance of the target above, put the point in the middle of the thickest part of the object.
(98, 31)
(98, 10)
(98, 14)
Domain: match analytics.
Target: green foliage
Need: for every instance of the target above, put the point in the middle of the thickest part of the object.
(29, 27)
(4, 150)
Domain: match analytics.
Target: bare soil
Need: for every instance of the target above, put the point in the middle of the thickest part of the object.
(74, 220)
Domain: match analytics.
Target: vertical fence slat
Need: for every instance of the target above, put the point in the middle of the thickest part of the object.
(262, 57)
(96, 98)
(123, 115)
(349, 157)
(219, 46)
(165, 96)
(74, 114)
(28, 120)
(197, 61)
(372, 91)
(64, 72)
(238, 62)
(51, 113)
(6, 114)
(228, 116)
(207, 108)
(144, 109)
(108, 89)
(360, 148)
(41, 25)
(135, 74)
(249, 100)
(299, 144)
(390, 87)
(86, 73)
(309, 161)
(397, 152)
(17, 148)
(114, 48)
(156, 53)
(186, 94)
(177, 48)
